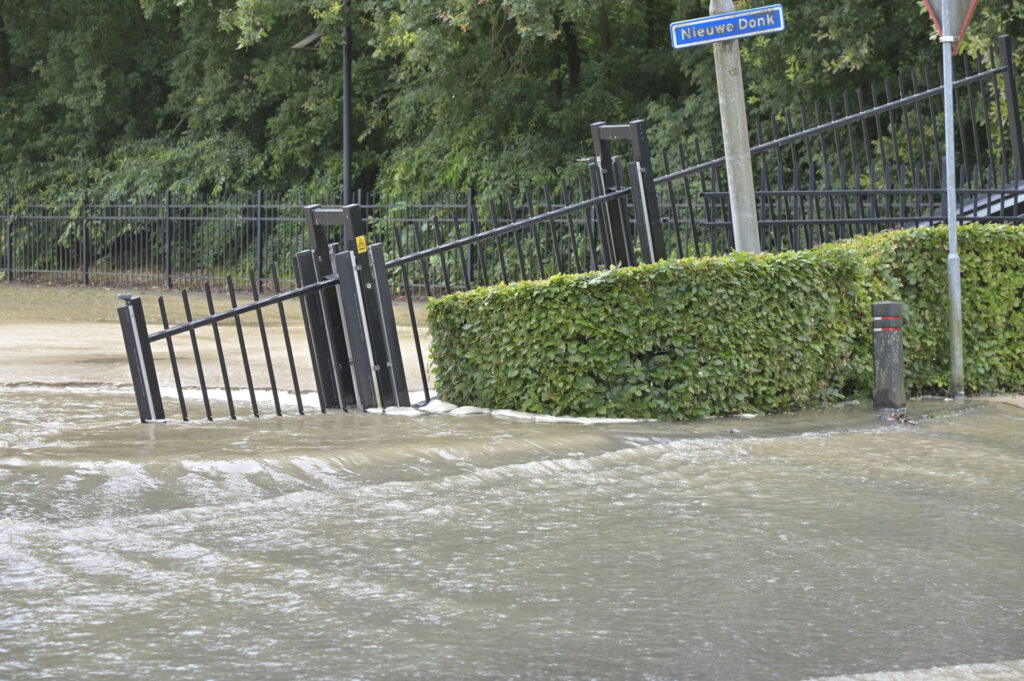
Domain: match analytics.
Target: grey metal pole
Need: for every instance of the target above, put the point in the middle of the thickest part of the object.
(956, 337)
(736, 138)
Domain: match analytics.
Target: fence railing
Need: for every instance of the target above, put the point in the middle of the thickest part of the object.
(169, 241)
(867, 162)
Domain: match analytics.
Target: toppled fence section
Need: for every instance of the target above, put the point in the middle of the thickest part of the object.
(347, 317)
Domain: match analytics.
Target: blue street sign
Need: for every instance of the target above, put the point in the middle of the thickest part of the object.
(728, 26)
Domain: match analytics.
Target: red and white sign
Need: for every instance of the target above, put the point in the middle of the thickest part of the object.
(960, 10)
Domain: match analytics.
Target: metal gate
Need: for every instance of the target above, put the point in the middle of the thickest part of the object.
(347, 317)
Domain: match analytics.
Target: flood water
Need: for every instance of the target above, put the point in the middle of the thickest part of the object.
(376, 546)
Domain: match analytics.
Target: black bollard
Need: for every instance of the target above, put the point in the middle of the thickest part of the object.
(887, 329)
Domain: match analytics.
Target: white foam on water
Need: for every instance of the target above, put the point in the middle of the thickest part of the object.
(265, 401)
(437, 406)
(234, 466)
(240, 398)
(989, 671)
(469, 411)
(404, 411)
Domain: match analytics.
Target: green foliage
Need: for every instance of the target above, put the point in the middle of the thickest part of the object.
(732, 334)
(911, 266)
(489, 94)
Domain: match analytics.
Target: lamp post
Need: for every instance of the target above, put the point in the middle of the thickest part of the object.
(311, 42)
(956, 340)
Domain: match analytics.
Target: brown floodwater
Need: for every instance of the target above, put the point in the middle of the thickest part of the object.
(452, 545)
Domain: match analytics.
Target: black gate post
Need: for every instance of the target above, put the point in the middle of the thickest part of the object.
(614, 212)
(140, 358)
(608, 257)
(649, 196)
(320, 264)
(392, 348)
(648, 219)
(318, 323)
(1012, 107)
(361, 364)
(375, 304)
(645, 196)
(362, 327)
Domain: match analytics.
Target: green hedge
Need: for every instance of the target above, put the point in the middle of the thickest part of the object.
(732, 334)
(910, 265)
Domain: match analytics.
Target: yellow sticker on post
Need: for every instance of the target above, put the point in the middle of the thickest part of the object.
(361, 243)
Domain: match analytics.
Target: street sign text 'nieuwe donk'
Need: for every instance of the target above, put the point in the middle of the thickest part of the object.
(727, 26)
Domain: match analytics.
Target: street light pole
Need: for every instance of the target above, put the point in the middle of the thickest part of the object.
(346, 112)
(956, 340)
(311, 42)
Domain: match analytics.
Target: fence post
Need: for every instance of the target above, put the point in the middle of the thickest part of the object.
(7, 241)
(259, 240)
(321, 326)
(646, 213)
(167, 238)
(392, 348)
(470, 227)
(1012, 107)
(354, 322)
(609, 179)
(85, 245)
(601, 217)
(140, 358)
(371, 299)
(652, 214)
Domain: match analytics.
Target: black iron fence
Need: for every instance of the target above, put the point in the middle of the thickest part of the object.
(170, 241)
(871, 163)
(867, 162)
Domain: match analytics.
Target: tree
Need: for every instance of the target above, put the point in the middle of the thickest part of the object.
(112, 96)
(79, 76)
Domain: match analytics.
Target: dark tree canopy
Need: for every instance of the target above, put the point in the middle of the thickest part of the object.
(206, 96)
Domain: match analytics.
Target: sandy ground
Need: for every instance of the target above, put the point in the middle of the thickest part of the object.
(71, 336)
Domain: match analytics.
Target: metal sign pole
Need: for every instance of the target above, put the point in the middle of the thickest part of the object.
(956, 340)
(722, 29)
(732, 105)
